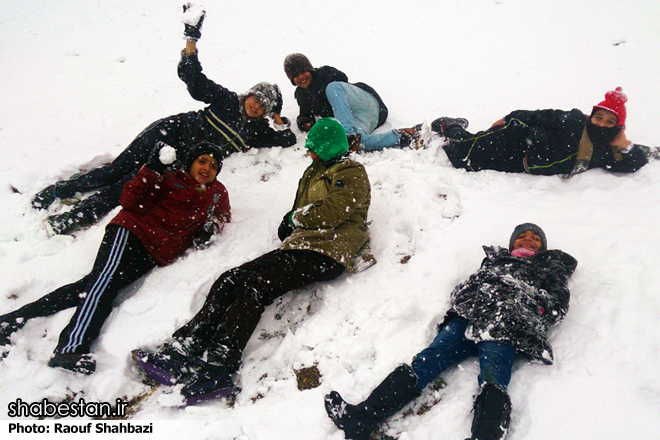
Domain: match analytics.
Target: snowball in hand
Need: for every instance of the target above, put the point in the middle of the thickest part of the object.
(192, 15)
(167, 155)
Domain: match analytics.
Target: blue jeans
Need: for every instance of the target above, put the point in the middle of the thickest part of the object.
(357, 111)
(451, 346)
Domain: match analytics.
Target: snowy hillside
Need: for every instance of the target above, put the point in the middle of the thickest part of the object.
(81, 79)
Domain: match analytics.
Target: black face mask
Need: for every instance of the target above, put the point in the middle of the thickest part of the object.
(602, 136)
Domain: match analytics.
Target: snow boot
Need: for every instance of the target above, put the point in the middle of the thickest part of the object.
(60, 224)
(208, 381)
(353, 141)
(85, 213)
(492, 413)
(359, 421)
(60, 190)
(44, 198)
(82, 363)
(412, 137)
(168, 366)
(444, 125)
(10, 323)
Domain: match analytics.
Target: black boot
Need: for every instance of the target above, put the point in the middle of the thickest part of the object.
(359, 421)
(353, 141)
(84, 214)
(168, 366)
(10, 323)
(62, 190)
(444, 125)
(83, 363)
(208, 382)
(492, 413)
(44, 198)
(412, 137)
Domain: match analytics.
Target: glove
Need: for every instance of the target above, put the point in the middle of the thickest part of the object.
(277, 105)
(193, 17)
(161, 158)
(286, 227)
(203, 235)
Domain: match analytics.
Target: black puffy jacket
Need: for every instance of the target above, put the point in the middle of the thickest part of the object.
(553, 137)
(516, 300)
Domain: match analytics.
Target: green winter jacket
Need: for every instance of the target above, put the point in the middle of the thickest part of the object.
(330, 213)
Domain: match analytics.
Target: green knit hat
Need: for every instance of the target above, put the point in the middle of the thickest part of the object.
(327, 138)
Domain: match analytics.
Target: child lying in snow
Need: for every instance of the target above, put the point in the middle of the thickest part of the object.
(504, 309)
(548, 142)
(235, 122)
(162, 216)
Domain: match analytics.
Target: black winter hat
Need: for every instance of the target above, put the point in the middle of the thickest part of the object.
(528, 227)
(294, 64)
(201, 148)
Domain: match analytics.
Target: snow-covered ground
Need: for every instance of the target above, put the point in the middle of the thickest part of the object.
(80, 79)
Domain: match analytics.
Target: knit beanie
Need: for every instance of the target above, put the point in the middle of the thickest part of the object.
(294, 64)
(528, 227)
(199, 149)
(267, 94)
(615, 102)
(327, 138)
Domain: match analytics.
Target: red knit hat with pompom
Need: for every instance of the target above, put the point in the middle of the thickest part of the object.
(615, 102)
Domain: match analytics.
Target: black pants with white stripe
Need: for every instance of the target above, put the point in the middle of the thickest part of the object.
(121, 260)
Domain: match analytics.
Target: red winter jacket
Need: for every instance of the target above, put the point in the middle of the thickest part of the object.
(165, 211)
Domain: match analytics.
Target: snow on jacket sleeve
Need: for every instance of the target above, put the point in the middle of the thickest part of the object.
(554, 295)
(139, 194)
(516, 300)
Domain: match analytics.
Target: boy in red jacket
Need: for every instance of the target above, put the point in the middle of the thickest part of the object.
(162, 216)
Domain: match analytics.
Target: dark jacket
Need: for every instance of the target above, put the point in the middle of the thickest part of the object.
(516, 300)
(313, 101)
(164, 212)
(330, 212)
(553, 137)
(224, 118)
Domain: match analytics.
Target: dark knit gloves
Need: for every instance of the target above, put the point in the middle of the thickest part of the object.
(203, 235)
(161, 159)
(286, 227)
(193, 17)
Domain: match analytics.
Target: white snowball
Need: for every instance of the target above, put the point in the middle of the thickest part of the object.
(167, 155)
